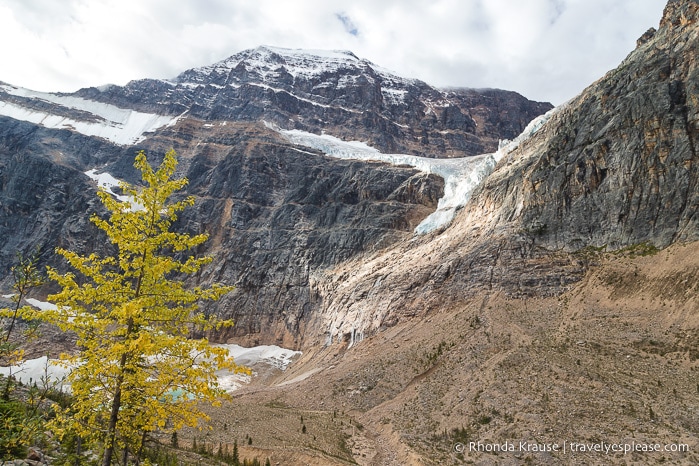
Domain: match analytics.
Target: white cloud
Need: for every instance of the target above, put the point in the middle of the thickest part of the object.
(544, 49)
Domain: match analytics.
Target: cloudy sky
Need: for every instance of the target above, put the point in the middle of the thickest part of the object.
(545, 49)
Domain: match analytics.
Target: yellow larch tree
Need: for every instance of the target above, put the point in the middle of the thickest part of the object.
(138, 369)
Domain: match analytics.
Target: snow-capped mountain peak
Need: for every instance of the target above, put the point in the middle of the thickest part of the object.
(268, 63)
(332, 91)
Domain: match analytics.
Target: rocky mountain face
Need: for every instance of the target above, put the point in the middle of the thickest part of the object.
(337, 93)
(618, 165)
(273, 212)
(277, 214)
(613, 168)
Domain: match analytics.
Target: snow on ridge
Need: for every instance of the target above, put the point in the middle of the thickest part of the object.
(339, 55)
(119, 125)
(306, 63)
(297, 62)
(315, 61)
(105, 87)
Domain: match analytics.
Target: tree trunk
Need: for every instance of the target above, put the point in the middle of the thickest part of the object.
(114, 416)
(125, 456)
(78, 450)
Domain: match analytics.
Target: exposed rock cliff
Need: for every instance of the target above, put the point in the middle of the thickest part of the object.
(276, 214)
(614, 167)
(617, 165)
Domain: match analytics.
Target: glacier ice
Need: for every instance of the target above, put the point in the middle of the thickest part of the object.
(461, 175)
(271, 355)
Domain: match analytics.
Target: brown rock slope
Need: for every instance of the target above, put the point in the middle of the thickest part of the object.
(614, 361)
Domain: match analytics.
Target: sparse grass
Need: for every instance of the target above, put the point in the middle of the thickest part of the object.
(590, 253)
(276, 427)
(639, 249)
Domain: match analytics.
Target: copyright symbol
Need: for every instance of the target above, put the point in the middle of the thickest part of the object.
(459, 447)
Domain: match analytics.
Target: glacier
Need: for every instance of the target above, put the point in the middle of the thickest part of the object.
(461, 175)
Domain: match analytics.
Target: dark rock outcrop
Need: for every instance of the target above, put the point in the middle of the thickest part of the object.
(45, 199)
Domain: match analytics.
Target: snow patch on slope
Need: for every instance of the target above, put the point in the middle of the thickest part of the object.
(108, 183)
(270, 355)
(42, 305)
(118, 125)
(49, 370)
(257, 358)
(43, 371)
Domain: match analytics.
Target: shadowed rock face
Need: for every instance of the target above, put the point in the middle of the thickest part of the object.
(45, 199)
(276, 215)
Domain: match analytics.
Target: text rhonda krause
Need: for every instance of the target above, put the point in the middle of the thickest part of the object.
(573, 447)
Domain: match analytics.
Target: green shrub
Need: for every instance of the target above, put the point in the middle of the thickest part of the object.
(18, 429)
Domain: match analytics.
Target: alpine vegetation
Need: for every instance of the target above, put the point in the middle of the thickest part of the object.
(137, 371)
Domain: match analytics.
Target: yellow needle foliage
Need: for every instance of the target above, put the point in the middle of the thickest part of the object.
(137, 370)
